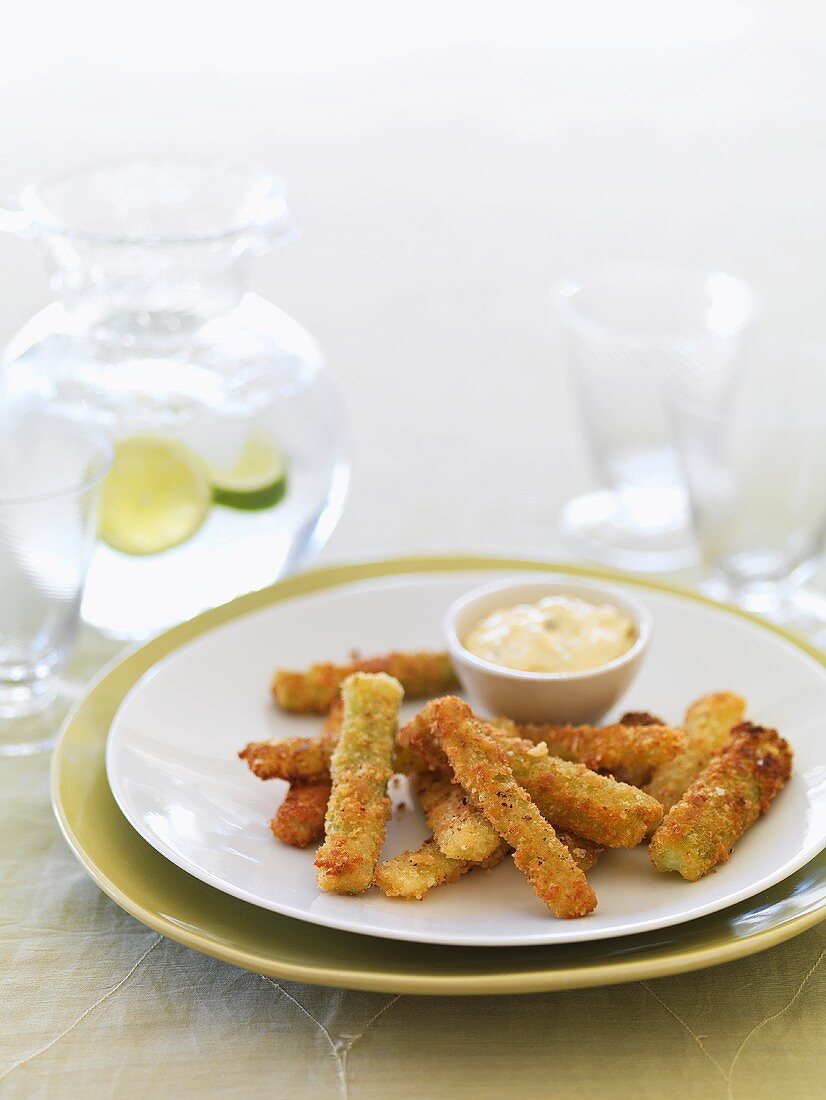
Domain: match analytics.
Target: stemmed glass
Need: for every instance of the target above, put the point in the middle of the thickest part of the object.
(753, 450)
(627, 329)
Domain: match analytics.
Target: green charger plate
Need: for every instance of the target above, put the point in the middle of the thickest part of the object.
(170, 901)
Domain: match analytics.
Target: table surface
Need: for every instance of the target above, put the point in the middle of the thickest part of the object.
(441, 190)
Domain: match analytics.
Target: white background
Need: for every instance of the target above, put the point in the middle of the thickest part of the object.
(447, 161)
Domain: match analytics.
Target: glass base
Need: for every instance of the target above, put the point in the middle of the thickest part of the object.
(791, 606)
(32, 728)
(599, 527)
(19, 698)
(36, 731)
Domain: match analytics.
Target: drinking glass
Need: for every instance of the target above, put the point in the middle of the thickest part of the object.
(50, 471)
(628, 329)
(754, 456)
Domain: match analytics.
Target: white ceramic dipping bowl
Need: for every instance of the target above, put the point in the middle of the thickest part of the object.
(561, 697)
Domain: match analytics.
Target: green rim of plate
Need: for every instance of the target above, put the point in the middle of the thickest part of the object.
(181, 907)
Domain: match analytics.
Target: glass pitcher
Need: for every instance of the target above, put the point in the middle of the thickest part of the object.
(230, 455)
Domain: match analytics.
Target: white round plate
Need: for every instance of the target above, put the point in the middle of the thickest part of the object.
(173, 767)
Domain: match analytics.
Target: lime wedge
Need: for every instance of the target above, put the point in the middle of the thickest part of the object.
(258, 479)
(155, 497)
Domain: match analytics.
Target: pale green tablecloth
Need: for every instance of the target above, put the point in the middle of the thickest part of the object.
(94, 1004)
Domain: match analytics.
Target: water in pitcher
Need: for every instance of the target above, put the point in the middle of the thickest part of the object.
(230, 462)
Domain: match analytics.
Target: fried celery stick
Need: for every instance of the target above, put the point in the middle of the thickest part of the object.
(482, 768)
(606, 748)
(411, 874)
(569, 795)
(585, 852)
(574, 798)
(416, 738)
(361, 767)
(734, 789)
(708, 724)
(315, 690)
(459, 830)
(299, 820)
(295, 758)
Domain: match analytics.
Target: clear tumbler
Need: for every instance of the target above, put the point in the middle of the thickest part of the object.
(50, 472)
(628, 329)
(754, 456)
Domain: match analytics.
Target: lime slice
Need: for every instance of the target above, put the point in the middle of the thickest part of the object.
(155, 497)
(258, 479)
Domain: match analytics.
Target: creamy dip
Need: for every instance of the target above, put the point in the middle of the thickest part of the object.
(556, 634)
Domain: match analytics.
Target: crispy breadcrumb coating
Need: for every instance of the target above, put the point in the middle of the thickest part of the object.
(299, 820)
(361, 767)
(606, 748)
(315, 690)
(295, 758)
(735, 788)
(482, 768)
(411, 874)
(569, 795)
(574, 798)
(708, 724)
(459, 829)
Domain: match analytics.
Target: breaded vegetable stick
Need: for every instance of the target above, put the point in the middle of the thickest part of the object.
(735, 788)
(296, 758)
(299, 820)
(569, 795)
(459, 829)
(417, 738)
(585, 852)
(411, 874)
(481, 767)
(641, 718)
(708, 724)
(574, 798)
(361, 767)
(314, 691)
(302, 759)
(606, 748)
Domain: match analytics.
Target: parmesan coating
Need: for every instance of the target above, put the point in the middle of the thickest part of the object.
(482, 768)
(574, 798)
(606, 748)
(708, 724)
(411, 874)
(361, 767)
(571, 796)
(460, 831)
(735, 788)
(315, 690)
(295, 758)
(299, 820)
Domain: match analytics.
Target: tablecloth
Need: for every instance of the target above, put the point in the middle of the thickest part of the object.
(94, 1004)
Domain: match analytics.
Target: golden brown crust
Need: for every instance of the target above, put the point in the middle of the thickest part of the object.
(641, 718)
(295, 758)
(607, 748)
(482, 768)
(569, 795)
(708, 724)
(361, 767)
(315, 690)
(299, 820)
(735, 788)
(411, 874)
(459, 829)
